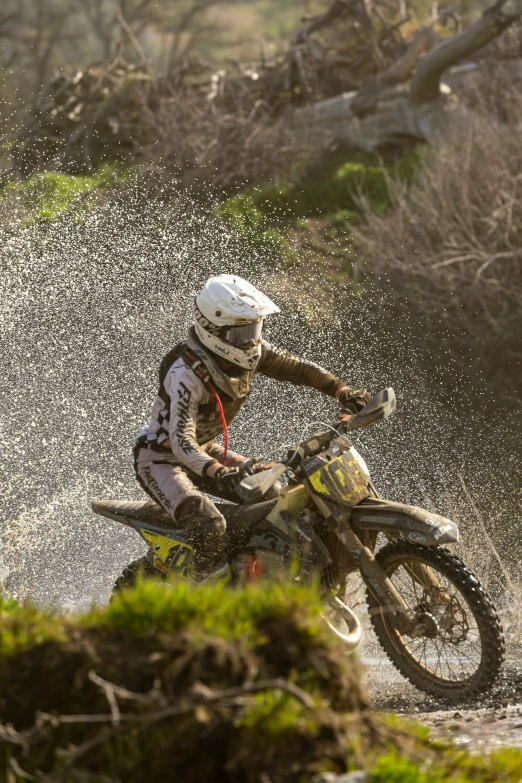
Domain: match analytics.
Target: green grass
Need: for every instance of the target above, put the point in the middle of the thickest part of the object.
(270, 716)
(453, 767)
(215, 610)
(47, 196)
(24, 626)
(154, 608)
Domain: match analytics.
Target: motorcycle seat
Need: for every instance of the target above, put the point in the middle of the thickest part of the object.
(237, 516)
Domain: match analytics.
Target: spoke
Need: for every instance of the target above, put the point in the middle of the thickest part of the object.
(457, 650)
(414, 582)
(461, 652)
(448, 663)
(439, 665)
(444, 653)
(419, 641)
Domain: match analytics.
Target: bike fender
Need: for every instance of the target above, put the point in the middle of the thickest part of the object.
(416, 524)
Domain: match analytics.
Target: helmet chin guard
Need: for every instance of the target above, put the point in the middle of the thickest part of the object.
(229, 315)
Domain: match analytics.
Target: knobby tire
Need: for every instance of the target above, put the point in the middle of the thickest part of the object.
(478, 602)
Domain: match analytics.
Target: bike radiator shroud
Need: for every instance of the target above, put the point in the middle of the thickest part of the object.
(339, 476)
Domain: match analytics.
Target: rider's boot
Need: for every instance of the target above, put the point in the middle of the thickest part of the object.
(206, 529)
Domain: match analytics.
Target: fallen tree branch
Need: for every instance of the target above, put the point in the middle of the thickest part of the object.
(115, 722)
(425, 85)
(198, 695)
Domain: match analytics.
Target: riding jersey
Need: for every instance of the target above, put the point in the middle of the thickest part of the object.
(185, 417)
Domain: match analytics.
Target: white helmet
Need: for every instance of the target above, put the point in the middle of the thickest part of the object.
(229, 315)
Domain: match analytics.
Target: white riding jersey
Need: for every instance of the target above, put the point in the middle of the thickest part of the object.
(190, 423)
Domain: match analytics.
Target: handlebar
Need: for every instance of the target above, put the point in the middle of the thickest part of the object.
(380, 407)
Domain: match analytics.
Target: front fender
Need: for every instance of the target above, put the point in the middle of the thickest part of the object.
(416, 524)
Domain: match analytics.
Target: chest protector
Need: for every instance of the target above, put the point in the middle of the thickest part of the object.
(231, 403)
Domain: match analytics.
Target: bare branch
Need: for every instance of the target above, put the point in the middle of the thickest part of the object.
(132, 38)
(425, 85)
(115, 722)
(405, 65)
(337, 9)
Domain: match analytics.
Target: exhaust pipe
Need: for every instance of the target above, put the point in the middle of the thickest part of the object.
(339, 608)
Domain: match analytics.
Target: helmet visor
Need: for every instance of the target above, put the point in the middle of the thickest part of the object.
(244, 334)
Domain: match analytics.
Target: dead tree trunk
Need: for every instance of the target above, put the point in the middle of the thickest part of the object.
(388, 110)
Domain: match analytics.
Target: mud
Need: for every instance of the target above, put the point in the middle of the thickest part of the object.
(482, 724)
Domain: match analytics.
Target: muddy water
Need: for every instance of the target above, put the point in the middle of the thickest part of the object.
(492, 721)
(477, 730)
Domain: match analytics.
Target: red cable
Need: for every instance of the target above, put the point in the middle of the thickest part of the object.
(223, 421)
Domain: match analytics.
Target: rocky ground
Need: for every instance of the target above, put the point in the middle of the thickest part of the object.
(491, 721)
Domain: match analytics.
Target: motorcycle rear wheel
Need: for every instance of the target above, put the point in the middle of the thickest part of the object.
(463, 651)
(138, 569)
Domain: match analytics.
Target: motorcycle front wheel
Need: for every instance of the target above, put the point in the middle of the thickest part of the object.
(461, 650)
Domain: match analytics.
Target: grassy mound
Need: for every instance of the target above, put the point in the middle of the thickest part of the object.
(202, 685)
(209, 684)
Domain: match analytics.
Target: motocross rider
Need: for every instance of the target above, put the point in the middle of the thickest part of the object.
(204, 382)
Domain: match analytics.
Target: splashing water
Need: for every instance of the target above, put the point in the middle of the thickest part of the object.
(88, 310)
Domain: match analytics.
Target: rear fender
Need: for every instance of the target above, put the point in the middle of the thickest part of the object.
(416, 524)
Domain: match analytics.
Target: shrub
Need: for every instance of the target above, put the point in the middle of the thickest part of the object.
(336, 186)
(449, 253)
(263, 215)
(48, 195)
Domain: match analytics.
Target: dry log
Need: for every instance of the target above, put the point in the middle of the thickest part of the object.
(378, 115)
(425, 84)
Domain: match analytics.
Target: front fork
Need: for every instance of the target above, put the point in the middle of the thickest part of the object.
(374, 577)
(381, 587)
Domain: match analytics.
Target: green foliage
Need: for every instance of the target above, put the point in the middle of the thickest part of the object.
(26, 626)
(264, 215)
(216, 610)
(48, 195)
(155, 607)
(452, 766)
(7, 605)
(507, 761)
(335, 190)
(392, 768)
(272, 715)
(244, 215)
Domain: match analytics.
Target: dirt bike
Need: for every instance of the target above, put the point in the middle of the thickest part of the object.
(431, 615)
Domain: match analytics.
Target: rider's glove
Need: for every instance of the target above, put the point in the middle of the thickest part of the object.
(354, 399)
(229, 478)
(248, 466)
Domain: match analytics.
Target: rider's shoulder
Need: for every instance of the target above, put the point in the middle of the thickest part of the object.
(180, 375)
(269, 350)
